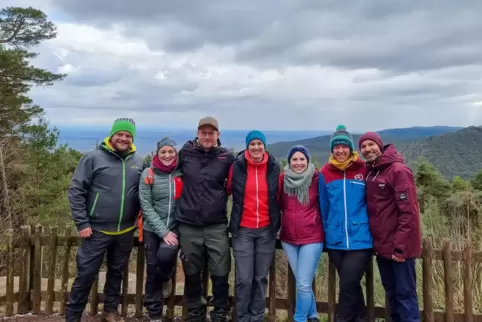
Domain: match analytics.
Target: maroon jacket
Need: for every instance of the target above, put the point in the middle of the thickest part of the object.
(301, 225)
(393, 206)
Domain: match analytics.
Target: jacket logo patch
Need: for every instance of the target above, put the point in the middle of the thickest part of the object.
(381, 186)
(358, 176)
(403, 196)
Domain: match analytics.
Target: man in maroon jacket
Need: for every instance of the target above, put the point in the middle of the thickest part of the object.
(394, 222)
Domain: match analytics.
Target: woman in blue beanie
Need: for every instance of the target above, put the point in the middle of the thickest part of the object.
(345, 218)
(301, 232)
(255, 219)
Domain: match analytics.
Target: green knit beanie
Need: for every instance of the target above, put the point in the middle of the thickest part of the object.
(124, 124)
(341, 136)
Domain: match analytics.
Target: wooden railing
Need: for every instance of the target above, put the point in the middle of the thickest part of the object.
(25, 258)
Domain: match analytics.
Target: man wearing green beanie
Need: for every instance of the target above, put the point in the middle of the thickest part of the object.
(104, 202)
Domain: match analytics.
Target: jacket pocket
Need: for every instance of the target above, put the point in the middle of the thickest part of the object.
(360, 231)
(94, 205)
(334, 234)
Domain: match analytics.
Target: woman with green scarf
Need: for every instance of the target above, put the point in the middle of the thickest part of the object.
(301, 232)
(345, 218)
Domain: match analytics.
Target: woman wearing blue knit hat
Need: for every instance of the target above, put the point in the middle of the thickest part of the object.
(345, 218)
(255, 220)
(301, 232)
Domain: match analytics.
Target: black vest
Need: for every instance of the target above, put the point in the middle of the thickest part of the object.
(238, 186)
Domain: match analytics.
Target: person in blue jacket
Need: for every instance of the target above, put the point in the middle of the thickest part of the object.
(345, 218)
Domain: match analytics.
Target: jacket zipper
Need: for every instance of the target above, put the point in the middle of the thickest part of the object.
(346, 211)
(94, 205)
(169, 206)
(257, 200)
(123, 191)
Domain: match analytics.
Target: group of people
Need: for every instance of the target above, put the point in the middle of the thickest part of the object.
(352, 208)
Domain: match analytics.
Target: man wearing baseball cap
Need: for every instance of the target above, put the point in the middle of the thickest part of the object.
(394, 219)
(104, 200)
(202, 218)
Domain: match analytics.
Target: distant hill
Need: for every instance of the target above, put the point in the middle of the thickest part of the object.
(458, 153)
(402, 137)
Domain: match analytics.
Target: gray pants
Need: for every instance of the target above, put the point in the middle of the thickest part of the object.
(254, 251)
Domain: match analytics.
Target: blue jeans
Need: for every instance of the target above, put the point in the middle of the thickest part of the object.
(303, 261)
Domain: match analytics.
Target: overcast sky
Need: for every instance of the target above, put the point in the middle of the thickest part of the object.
(271, 64)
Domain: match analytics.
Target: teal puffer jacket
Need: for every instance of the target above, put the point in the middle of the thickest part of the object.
(158, 201)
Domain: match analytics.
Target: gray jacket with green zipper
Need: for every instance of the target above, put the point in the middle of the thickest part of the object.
(158, 201)
(104, 192)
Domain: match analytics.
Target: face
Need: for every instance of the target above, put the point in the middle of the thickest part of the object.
(298, 162)
(341, 152)
(121, 141)
(370, 150)
(208, 136)
(167, 155)
(256, 150)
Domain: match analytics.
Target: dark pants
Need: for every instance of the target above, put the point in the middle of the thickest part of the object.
(351, 266)
(253, 253)
(199, 244)
(399, 281)
(90, 256)
(161, 260)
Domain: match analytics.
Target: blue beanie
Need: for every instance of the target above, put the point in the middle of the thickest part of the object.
(255, 135)
(299, 148)
(341, 136)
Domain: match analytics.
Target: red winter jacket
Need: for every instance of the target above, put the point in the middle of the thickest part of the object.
(301, 225)
(393, 206)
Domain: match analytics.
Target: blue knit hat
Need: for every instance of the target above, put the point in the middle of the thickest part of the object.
(299, 148)
(341, 136)
(165, 141)
(255, 135)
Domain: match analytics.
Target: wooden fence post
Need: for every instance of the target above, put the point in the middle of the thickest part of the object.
(468, 305)
(49, 305)
(24, 278)
(427, 280)
(37, 269)
(10, 274)
(448, 281)
(65, 268)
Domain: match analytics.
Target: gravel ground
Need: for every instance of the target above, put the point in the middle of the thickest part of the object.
(59, 318)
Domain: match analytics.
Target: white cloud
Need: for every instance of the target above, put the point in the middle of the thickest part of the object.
(285, 69)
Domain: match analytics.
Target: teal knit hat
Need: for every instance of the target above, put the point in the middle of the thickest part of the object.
(124, 124)
(341, 136)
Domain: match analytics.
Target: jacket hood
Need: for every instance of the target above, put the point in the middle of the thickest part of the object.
(390, 155)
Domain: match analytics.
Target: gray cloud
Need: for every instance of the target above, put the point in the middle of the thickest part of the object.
(307, 63)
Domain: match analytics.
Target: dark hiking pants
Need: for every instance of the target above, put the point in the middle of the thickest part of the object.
(90, 256)
(161, 260)
(199, 244)
(253, 253)
(400, 283)
(351, 266)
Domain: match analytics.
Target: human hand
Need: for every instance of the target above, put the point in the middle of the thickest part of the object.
(85, 233)
(398, 259)
(171, 239)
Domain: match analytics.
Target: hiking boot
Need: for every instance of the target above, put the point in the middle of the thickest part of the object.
(313, 320)
(197, 315)
(219, 315)
(167, 289)
(363, 319)
(109, 316)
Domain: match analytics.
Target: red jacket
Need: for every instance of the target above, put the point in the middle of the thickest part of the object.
(301, 225)
(393, 206)
(256, 202)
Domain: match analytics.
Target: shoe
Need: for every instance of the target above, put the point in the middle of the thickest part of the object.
(197, 315)
(313, 320)
(219, 315)
(167, 289)
(109, 316)
(363, 319)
